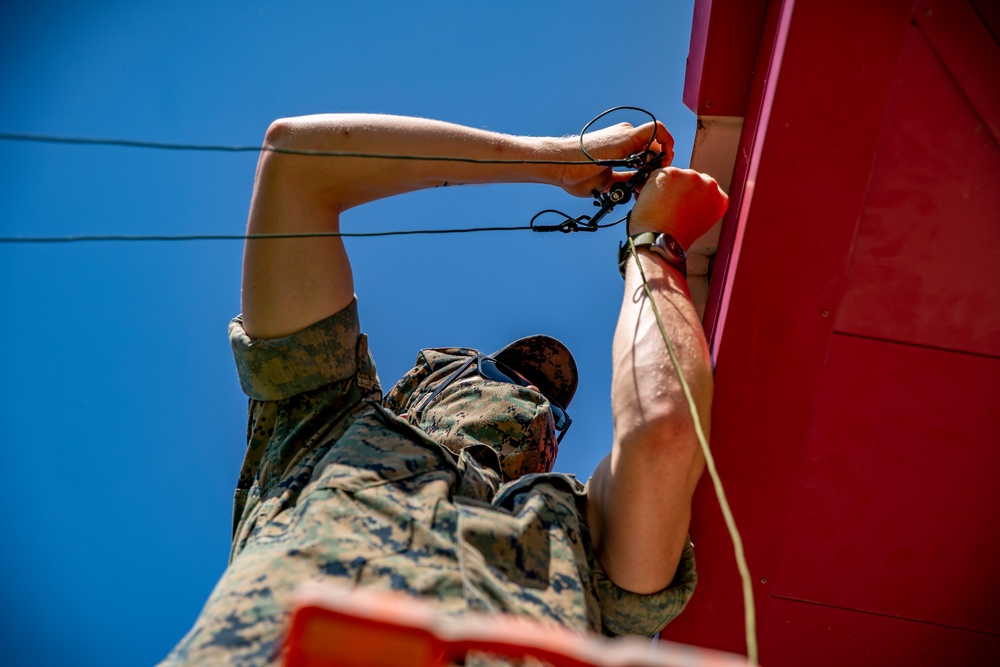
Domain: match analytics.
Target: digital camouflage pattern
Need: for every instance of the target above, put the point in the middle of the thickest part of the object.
(546, 362)
(337, 488)
(514, 421)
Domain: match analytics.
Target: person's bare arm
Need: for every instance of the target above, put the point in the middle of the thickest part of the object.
(639, 502)
(288, 284)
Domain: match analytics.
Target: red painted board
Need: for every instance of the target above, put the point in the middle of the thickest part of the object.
(813, 175)
(818, 636)
(895, 510)
(989, 11)
(925, 265)
(753, 129)
(961, 38)
(725, 35)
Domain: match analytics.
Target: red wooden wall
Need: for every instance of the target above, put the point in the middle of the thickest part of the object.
(857, 414)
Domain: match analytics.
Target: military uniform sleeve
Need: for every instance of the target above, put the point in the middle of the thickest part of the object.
(277, 369)
(302, 389)
(627, 613)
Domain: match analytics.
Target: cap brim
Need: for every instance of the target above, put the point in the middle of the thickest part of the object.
(546, 362)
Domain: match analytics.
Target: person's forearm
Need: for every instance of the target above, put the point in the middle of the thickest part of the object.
(344, 182)
(290, 283)
(656, 460)
(646, 390)
(639, 503)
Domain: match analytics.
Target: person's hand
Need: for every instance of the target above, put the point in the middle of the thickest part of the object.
(681, 202)
(615, 142)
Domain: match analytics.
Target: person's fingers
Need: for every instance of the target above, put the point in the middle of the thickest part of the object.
(657, 137)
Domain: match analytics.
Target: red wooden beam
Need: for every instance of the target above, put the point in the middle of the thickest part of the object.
(725, 36)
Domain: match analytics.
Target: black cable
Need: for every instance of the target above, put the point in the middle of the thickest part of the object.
(245, 237)
(129, 143)
(643, 163)
(622, 163)
(568, 224)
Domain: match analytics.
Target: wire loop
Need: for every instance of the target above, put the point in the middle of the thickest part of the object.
(644, 163)
(618, 163)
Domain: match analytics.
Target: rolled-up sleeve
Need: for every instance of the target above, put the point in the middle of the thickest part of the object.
(279, 368)
(627, 613)
(301, 388)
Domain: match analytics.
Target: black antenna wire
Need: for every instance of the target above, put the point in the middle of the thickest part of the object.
(567, 224)
(214, 148)
(246, 237)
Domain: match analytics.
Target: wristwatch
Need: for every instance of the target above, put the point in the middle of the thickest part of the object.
(664, 245)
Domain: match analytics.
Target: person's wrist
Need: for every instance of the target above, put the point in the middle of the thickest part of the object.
(659, 244)
(656, 259)
(640, 227)
(561, 149)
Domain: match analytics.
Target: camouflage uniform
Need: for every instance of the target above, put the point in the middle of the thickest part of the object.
(335, 487)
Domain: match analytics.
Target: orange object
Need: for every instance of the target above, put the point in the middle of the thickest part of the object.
(336, 627)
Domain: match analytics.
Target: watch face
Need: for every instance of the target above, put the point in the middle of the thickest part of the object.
(670, 244)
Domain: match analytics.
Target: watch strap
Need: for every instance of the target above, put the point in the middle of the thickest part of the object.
(643, 240)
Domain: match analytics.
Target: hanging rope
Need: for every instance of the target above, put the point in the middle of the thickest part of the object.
(749, 613)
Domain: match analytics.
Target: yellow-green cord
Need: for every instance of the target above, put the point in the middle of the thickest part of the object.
(750, 618)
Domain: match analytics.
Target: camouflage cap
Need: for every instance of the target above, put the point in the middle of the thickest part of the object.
(546, 362)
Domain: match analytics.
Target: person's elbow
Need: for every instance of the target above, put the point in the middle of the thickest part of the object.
(656, 423)
(669, 436)
(283, 173)
(281, 133)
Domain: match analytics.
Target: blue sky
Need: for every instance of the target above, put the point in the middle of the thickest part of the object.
(123, 423)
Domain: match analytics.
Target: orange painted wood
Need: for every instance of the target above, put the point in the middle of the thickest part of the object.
(333, 626)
